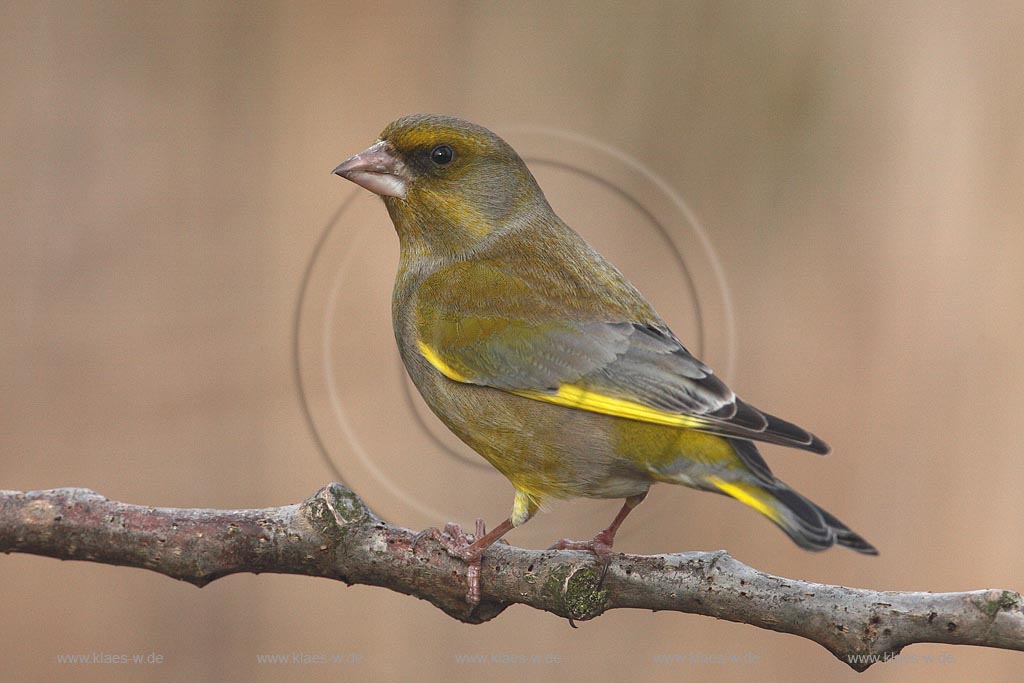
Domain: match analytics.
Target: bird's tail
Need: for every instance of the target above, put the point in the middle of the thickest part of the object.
(735, 467)
(807, 524)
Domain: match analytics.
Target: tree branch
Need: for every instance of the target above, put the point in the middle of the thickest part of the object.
(334, 534)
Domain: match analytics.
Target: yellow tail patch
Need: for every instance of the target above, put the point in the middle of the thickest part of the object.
(748, 494)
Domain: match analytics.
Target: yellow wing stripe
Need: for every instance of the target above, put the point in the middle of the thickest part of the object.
(573, 396)
(748, 495)
(438, 362)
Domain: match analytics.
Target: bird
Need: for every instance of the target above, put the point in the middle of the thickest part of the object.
(540, 355)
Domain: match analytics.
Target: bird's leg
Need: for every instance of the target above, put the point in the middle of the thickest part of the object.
(457, 544)
(475, 555)
(601, 545)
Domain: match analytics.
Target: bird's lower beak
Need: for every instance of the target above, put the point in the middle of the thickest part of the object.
(378, 170)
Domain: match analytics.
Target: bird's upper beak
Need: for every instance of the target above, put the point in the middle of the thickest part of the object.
(377, 169)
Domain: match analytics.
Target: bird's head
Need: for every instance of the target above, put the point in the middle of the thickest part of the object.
(447, 183)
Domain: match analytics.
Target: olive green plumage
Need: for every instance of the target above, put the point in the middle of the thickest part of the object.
(542, 357)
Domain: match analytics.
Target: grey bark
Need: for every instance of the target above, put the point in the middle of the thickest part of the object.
(334, 534)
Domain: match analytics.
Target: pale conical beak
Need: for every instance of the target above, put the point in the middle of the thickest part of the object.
(378, 170)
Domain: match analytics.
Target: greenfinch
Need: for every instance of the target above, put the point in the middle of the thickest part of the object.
(543, 358)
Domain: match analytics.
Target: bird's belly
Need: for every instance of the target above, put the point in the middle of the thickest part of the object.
(545, 450)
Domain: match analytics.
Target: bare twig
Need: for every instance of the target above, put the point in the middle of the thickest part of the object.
(334, 534)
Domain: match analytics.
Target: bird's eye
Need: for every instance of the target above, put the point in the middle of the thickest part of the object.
(442, 155)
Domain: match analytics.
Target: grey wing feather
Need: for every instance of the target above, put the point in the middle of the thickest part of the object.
(657, 371)
(644, 364)
(543, 362)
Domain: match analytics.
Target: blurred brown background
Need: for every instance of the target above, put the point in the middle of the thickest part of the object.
(165, 177)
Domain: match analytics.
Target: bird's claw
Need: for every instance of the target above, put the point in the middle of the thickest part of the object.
(459, 545)
(599, 546)
(453, 540)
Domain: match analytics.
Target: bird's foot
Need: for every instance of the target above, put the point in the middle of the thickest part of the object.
(453, 539)
(600, 546)
(462, 546)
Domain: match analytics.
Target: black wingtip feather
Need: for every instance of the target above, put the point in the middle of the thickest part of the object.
(818, 446)
(790, 434)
